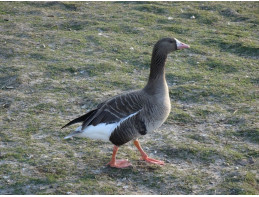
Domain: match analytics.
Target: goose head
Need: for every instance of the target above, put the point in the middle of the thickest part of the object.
(168, 45)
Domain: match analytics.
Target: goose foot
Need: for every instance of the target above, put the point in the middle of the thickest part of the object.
(153, 161)
(144, 155)
(120, 163)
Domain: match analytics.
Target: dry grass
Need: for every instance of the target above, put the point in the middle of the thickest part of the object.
(60, 59)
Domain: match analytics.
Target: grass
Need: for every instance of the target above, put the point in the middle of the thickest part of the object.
(59, 59)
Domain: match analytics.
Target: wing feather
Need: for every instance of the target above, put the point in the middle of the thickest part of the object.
(128, 129)
(112, 110)
(83, 118)
(116, 109)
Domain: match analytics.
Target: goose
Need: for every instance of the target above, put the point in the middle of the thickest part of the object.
(128, 116)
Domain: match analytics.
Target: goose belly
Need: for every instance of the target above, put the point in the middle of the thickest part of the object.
(101, 131)
(158, 117)
(155, 124)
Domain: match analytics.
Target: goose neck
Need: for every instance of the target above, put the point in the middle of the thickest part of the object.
(157, 82)
(157, 68)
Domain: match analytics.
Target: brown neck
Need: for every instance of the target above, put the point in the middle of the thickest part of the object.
(157, 68)
(157, 71)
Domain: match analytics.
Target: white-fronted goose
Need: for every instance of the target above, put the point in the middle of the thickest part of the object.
(128, 116)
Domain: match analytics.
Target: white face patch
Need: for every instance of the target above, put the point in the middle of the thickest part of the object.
(178, 43)
(181, 45)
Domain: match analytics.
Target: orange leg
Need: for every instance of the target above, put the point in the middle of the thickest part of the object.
(145, 156)
(121, 163)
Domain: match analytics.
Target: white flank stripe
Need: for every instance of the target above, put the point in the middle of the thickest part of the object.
(101, 131)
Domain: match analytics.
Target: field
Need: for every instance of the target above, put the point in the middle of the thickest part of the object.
(60, 59)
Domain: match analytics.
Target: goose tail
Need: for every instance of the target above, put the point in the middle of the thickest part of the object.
(69, 136)
(81, 118)
(74, 134)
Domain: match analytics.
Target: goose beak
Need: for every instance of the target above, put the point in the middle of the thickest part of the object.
(181, 45)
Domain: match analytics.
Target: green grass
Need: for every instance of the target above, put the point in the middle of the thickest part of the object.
(59, 59)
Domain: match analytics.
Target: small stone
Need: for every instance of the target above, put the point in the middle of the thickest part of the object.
(131, 48)
(125, 187)
(236, 168)
(8, 181)
(9, 87)
(243, 162)
(192, 17)
(6, 105)
(226, 164)
(101, 34)
(170, 18)
(251, 160)
(69, 193)
(84, 107)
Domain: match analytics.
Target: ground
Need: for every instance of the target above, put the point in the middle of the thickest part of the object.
(60, 59)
